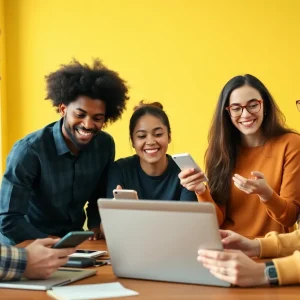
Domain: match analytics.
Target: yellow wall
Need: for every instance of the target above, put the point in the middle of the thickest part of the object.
(3, 119)
(177, 52)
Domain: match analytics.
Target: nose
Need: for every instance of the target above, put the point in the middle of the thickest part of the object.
(245, 113)
(88, 123)
(150, 140)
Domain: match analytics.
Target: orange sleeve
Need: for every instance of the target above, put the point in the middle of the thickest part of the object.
(284, 208)
(220, 210)
(274, 244)
(288, 269)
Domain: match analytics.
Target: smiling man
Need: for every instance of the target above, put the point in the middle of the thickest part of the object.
(52, 173)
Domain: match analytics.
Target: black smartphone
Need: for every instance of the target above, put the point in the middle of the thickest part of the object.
(73, 239)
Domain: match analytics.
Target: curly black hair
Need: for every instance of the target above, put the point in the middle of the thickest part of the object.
(97, 82)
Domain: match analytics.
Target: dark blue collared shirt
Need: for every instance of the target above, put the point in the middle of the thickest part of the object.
(45, 187)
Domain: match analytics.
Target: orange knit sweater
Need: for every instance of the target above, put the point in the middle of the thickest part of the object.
(276, 245)
(279, 161)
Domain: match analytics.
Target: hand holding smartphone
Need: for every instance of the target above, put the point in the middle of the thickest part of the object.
(73, 239)
(125, 194)
(185, 161)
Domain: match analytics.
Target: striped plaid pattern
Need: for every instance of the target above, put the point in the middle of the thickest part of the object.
(12, 262)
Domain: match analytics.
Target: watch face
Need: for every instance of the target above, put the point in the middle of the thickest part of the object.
(272, 274)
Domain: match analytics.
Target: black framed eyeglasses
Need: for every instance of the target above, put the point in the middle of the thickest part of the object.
(298, 104)
(253, 106)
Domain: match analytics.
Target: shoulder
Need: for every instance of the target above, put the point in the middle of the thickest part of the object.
(127, 162)
(34, 140)
(126, 166)
(291, 140)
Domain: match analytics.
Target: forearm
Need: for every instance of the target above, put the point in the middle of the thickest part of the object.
(276, 245)
(282, 210)
(12, 262)
(17, 229)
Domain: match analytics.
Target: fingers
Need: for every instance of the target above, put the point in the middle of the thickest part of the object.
(246, 185)
(239, 180)
(119, 187)
(258, 175)
(64, 252)
(214, 255)
(229, 237)
(46, 241)
(230, 279)
(193, 179)
(224, 233)
(186, 173)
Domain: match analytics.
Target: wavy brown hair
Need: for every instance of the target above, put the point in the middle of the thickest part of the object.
(224, 138)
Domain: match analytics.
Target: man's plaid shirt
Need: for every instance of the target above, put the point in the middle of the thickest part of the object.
(12, 262)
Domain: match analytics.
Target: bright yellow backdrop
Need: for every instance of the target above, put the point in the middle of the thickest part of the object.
(180, 53)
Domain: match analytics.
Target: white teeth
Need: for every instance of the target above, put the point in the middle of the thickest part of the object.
(248, 122)
(84, 133)
(151, 150)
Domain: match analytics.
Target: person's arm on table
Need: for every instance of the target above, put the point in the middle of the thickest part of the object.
(235, 267)
(36, 261)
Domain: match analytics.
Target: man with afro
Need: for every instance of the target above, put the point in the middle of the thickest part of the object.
(52, 173)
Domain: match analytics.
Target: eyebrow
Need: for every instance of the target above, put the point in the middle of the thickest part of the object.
(143, 130)
(247, 101)
(82, 110)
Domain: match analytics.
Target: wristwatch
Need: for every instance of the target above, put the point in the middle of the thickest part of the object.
(271, 273)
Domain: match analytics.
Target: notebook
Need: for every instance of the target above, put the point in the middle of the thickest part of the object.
(61, 277)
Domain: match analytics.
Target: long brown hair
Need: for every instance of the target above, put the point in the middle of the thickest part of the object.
(224, 138)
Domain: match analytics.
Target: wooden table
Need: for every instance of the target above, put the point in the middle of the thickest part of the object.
(163, 290)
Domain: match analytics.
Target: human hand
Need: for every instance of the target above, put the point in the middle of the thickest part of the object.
(232, 240)
(254, 185)
(118, 188)
(233, 266)
(193, 180)
(98, 233)
(42, 261)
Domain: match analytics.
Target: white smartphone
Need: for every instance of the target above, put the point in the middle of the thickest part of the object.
(88, 253)
(125, 194)
(185, 161)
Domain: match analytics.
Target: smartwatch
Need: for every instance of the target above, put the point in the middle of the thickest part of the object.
(271, 273)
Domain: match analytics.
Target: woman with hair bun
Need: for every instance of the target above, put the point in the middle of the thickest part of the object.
(151, 171)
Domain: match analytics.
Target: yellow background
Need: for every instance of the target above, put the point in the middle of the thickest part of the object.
(180, 53)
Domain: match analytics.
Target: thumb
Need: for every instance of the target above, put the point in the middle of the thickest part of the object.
(119, 187)
(46, 241)
(258, 175)
(229, 239)
(224, 233)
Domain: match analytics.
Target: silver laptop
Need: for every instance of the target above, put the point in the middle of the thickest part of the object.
(159, 240)
(61, 277)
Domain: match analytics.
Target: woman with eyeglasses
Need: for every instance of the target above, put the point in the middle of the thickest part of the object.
(252, 162)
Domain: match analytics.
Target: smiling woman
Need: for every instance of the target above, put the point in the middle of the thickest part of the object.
(151, 172)
(252, 161)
